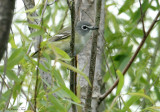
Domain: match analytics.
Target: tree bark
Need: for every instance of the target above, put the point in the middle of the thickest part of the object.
(6, 15)
(85, 10)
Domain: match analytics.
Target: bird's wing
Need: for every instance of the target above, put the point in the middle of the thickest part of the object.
(63, 34)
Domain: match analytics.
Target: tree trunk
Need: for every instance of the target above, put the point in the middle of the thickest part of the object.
(6, 15)
(85, 10)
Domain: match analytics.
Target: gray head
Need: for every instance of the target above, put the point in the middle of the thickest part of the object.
(83, 27)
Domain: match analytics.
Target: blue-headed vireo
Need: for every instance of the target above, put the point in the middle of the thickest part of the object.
(62, 40)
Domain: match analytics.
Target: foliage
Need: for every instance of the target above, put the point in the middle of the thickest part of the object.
(137, 90)
(123, 33)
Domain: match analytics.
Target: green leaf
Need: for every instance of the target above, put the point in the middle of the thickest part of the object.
(75, 70)
(31, 10)
(5, 96)
(126, 6)
(70, 93)
(157, 92)
(12, 76)
(114, 20)
(142, 95)
(153, 8)
(46, 55)
(58, 76)
(35, 26)
(37, 33)
(152, 109)
(12, 42)
(106, 77)
(78, 104)
(137, 14)
(124, 63)
(56, 104)
(15, 58)
(63, 54)
(60, 54)
(43, 67)
(108, 5)
(121, 82)
(45, 63)
(16, 90)
(132, 100)
(24, 37)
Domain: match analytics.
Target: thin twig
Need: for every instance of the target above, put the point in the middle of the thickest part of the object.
(29, 7)
(110, 59)
(75, 76)
(131, 60)
(63, 19)
(8, 87)
(142, 16)
(152, 65)
(158, 20)
(7, 102)
(5, 69)
(114, 67)
(144, 32)
(52, 2)
(4, 81)
(153, 59)
(69, 5)
(28, 100)
(29, 49)
(148, 91)
(44, 8)
(77, 10)
(72, 45)
(39, 56)
(110, 73)
(88, 15)
(37, 81)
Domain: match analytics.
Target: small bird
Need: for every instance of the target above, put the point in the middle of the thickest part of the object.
(62, 40)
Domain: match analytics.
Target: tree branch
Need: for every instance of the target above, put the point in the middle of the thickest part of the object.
(44, 8)
(52, 2)
(6, 15)
(72, 43)
(142, 16)
(5, 69)
(93, 57)
(132, 59)
(39, 56)
(110, 73)
(69, 5)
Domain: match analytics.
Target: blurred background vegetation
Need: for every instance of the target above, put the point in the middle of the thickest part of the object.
(123, 34)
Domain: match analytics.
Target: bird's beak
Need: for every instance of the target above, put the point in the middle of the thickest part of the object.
(93, 28)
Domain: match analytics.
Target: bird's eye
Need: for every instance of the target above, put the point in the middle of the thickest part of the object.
(84, 27)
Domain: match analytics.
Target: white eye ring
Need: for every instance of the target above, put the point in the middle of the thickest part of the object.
(84, 27)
